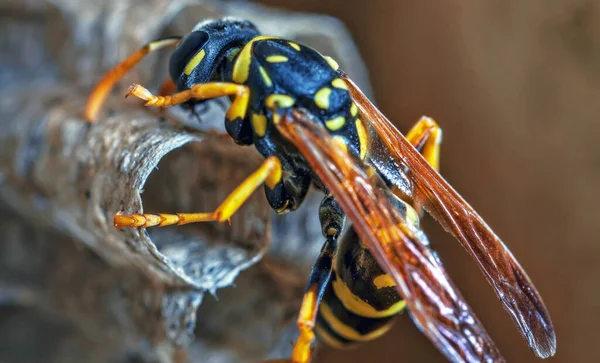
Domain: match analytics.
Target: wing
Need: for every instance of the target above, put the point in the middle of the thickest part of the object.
(436, 305)
(512, 285)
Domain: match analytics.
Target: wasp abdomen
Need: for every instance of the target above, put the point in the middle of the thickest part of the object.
(360, 301)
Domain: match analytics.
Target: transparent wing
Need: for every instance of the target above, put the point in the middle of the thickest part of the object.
(512, 285)
(436, 305)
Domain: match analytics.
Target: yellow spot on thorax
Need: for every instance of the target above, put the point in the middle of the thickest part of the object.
(339, 83)
(241, 67)
(384, 280)
(360, 307)
(362, 138)
(279, 101)
(335, 123)
(322, 97)
(294, 45)
(265, 76)
(277, 59)
(353, 109)
(332, 62)
(193, 63)
(346, 331)
(259, 124)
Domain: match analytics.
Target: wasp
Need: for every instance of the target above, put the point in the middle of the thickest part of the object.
(314, 126)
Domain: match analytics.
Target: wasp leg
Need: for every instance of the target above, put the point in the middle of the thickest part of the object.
(99, 94)
(319, 279)
(235, 114)
(200, 91)
(332, 221)
(268, 173)
(426, 137)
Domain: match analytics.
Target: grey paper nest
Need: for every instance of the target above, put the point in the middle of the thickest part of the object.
(75, 289)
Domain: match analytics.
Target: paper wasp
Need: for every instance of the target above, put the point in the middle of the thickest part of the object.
(313, 125)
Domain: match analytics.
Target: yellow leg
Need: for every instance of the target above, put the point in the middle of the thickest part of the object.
(99, 94)
(306, 325)
(426, 136)
(269, 173)
(200, 91)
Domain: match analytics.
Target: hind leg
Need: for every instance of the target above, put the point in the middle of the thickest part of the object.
(426, 137)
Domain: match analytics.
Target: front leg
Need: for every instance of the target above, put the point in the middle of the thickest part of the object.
(235, 118)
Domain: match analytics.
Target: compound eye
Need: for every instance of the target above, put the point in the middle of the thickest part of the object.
(190, 45)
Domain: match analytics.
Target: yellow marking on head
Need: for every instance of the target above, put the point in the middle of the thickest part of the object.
(339, 83)
(332, 62)
(193, 63)
(294, 45)
(328, 338)
(363, 140)
(265, 76)
(241, 67)
(279, 101)
(322, 97)
(353, 109)
(277, 58)
(384, 280)
(360, 307)
(335, 123)
(346, 331)
(259, 124)
(341, 141)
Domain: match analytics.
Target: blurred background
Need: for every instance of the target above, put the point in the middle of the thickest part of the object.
(515, 86)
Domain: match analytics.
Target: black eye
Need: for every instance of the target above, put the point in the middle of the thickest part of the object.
(189, 46)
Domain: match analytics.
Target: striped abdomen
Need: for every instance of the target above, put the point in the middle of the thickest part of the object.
(360, 300)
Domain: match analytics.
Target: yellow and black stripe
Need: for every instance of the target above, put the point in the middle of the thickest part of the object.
(339, 327)
(360, 301)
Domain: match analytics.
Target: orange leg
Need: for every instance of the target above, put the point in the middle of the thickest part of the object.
(306, 324)
(426, 137)
(203, 91)
(99, 94)
(269, 173)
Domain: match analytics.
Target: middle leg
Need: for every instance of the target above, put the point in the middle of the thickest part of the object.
(268, 173)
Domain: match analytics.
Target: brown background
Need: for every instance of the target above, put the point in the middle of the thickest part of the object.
(515, 86)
